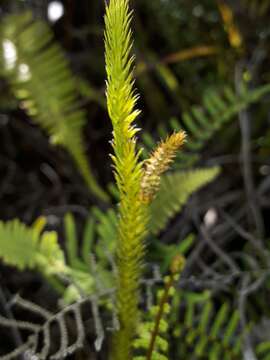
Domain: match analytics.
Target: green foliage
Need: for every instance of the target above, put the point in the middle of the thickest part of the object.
(39, 75)
(205, 332)
(72, 242)
(83, 282)
(106, 228)
(18, 244)
(163, 254)
(26, 248)
(121, 102)
(174, 192)
(89, 267)
(175, 189)
(99, 241)
(263, 350)
(151, 334)
(202, 122)
(129, 174)
(145, 331)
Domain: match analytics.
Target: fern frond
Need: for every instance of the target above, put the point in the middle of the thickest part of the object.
(217, 109)
(29, 247)
(159, 162)
(175, 189)
(121, 102)
(203, 121)
(41, 79)
(206, 333)
(24, 247)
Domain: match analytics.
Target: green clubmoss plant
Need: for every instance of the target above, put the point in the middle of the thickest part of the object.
(137, 181)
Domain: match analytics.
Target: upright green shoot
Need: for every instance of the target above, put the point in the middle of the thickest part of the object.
(137, 181)
(121, 102)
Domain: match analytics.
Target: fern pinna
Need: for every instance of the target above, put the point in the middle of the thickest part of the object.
(41, 80)
(175, 189)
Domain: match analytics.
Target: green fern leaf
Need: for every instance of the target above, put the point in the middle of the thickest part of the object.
(206, 333)
(40, 77)
(24, 247)
(174, 192)
(217, 109)
(203, 121)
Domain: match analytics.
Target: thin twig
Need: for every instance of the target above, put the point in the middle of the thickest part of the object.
(244, 121)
